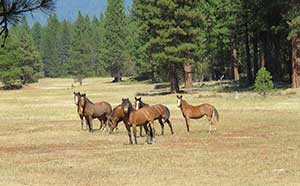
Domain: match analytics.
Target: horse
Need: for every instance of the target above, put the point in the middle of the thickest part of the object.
(118, 115)
(139, 117)
(197, 112)
(162, 113)
(101, 111)
(77, 96)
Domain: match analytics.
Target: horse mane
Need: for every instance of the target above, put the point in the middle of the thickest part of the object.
(183, 101)
(87, 99)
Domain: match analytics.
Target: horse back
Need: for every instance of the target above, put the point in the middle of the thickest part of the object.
(196, 112)
(142, 116)
(161, 111)
(102, 108)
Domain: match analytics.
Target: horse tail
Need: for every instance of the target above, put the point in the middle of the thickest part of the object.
(215, 115)
(167, 114)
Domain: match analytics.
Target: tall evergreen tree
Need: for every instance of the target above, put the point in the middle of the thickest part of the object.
(10, 71)
(173, 29)
(36, 32)
(49, 47)
(81, 49)
(64, 45)
(30, 63)
(114, 37)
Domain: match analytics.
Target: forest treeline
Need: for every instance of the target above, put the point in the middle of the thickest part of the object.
(162, 40)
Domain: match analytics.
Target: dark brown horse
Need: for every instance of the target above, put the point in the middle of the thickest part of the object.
(136, 118)
(101, 111)
(197, 112)
(162, 113)
(77, 96)
(117, 116)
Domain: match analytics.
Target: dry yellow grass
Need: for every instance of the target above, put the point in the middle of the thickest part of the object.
(257, 142)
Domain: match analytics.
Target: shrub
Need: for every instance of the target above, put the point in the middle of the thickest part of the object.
(263, 82)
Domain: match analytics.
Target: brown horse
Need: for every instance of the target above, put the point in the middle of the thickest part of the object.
(118, 115)
(197, 112)
(136, 118)
(162, 113)
(77, 96)
(101, 111)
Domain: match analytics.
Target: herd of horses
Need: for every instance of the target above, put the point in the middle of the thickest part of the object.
(140, 115)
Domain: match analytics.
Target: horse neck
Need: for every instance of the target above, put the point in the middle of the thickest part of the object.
(184, 104)
(87, 104)
(144, 104)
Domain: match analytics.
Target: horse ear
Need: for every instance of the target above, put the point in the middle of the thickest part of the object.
(84, 95)
(74, 93)
(180, 97)
(135, 98)
(177, 96)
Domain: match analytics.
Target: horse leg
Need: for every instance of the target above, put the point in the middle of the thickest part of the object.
(152, 131)
(170, 125)
(141, 131)
(101, 123)
(134, 133)
(81, 118)
(88, 123)
(91, 124)
(210, 124)
(129, 132)
(105, 121)
(147, 131)
(187, 124)
(162, 126)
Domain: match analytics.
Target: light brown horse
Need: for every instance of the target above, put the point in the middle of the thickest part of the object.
(136, 118)
(162, 113)
(77, 96)
(197, 112)
(101, 111)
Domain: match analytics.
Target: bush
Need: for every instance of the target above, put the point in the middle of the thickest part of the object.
(263, 82)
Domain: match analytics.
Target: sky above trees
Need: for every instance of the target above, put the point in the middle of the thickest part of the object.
(68, 9)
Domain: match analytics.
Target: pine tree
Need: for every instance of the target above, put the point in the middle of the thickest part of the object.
(170, 32)
(30, 60)
(263, 82)
(102, 66)
(64, 45)
(10, 71)
(114, 37)
(36, 32)
(81, 49)
(49, 47)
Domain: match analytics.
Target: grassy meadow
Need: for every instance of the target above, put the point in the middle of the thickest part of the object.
(41, 142)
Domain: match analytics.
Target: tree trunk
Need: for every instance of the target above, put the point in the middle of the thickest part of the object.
(236, 75)
(174, 79)
(263, 60)
(188, 80)
(255, 54)
(248, 61)
(117, 77)
(295, 62)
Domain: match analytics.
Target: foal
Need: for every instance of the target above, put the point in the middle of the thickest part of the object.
(101, 111)
(197, 112)
(162, 113)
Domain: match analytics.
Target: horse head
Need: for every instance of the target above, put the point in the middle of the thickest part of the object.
(126, 105)
(82, 101)
(179, 101)
(138, 103)
(76, 97)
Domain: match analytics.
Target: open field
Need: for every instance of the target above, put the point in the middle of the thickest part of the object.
(41, 143)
